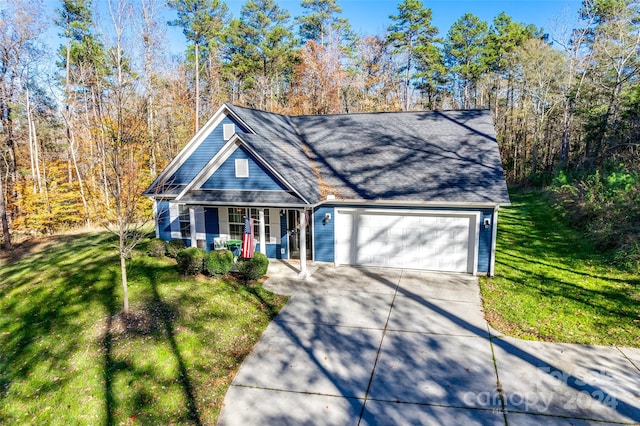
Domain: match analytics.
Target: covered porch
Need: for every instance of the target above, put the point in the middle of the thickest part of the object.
(277, 230)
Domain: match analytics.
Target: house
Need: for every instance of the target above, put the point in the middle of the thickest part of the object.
(416, 190)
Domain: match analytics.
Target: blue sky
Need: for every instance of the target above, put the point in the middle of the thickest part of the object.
(372, 16)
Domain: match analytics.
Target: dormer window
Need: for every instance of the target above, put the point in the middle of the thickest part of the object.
(242, 168)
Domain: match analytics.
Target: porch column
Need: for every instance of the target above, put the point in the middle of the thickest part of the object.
(192, 226)
(303, 244)
(263, 239)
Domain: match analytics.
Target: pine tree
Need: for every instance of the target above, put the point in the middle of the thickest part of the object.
(464, 47)
(411, 32)
(202, 22)
(260, 48)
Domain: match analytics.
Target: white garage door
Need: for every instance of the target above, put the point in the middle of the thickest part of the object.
(435, 241)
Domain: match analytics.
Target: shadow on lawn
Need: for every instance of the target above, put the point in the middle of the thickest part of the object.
(585, 296)
(153, 319)
(43, 299)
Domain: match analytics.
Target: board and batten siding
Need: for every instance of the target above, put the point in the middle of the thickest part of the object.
(163, 220)
(211, 225)
(202, 154)
(260, 179)
(324, 235)
(484, 241)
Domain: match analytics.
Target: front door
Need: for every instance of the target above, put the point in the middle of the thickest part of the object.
(293, 231)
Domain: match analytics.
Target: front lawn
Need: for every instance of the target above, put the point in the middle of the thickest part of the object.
(69, 357)
(552, 285)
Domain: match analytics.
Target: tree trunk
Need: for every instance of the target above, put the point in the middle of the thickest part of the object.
(125, 287)
(566, 134)
(3, 216)
(197, 118)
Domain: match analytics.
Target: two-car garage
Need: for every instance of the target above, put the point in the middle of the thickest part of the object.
(434, 240)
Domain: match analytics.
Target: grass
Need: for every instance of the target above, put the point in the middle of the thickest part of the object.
(552, 285)
(70, 357)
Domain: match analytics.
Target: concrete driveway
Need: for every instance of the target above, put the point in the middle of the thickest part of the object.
(364, 346)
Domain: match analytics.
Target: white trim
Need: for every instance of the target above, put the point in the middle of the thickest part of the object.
(409, 203)
(494, 234)
(312, 218)
(223, 155)
(241, 167)
(191, 146)
(210, 168)
(247, 204)
(261, 229)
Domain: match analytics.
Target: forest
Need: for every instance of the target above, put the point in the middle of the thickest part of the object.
(85, 127)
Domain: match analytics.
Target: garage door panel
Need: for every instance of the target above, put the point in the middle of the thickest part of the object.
(408, 240)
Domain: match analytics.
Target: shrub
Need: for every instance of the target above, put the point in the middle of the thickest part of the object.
(604, 204)
(174, 246)
(218, 262)
(190, 260)
(254, 268)
(157, 248)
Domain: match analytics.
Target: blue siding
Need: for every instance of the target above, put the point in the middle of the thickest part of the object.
(201, 156)
(211, 225)
(259, 177)
(164, 220)
(273, 250)
(484, 243)
(323, 234)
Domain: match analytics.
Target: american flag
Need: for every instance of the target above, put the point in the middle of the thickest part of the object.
(247, 239)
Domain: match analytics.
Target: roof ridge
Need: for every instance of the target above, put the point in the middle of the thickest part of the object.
(256, 109)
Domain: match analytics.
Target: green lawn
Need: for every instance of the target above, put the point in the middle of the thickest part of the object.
(68, 357)
(551, 284)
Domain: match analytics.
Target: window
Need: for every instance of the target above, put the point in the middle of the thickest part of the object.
(185, 221)
(236, 223)
(242, 168)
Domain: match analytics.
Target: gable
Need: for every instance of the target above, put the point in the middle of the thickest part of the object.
(260, 178)
(203, 153)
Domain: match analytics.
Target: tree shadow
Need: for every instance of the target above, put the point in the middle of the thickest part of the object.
(43, 299)
(320, 347)
(153, 319)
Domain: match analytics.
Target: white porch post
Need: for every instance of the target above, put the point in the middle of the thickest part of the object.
(263, 239)
(303, 244)
(192, 227)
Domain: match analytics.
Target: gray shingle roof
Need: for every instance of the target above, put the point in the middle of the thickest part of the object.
(219, 196)
(440, 156)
